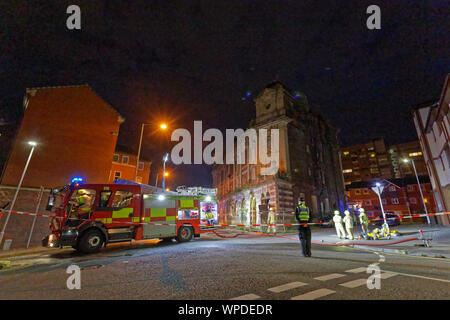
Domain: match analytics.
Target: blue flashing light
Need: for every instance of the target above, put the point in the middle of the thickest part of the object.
(248, 94)
(77, 180)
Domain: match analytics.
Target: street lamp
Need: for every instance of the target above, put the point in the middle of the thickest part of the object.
(420, 189)
(33, 144)
(378, 190)
(163, 126)
(165, 158)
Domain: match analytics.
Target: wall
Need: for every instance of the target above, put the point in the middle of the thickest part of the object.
(76, 132)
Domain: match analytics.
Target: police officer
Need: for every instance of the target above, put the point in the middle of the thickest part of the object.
(302, 215)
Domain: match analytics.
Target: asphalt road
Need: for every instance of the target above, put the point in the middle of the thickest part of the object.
(245, 267)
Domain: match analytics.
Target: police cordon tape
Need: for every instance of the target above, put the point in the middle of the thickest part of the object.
(222, 225)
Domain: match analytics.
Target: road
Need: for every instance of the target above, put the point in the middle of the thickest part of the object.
(246, 267)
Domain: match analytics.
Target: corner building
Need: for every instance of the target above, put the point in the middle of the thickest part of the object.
(309, 165)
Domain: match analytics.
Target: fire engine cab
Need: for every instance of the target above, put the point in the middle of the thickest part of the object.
(89, 216)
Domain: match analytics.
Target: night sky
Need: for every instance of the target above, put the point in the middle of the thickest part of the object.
(195, 60)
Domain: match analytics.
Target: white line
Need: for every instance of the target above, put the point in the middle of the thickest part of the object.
(330, 276)
(354, 283)
(287, 286)
(249, 296)
(422, 277)
(358, 270)
(386, 275)
(314, 294)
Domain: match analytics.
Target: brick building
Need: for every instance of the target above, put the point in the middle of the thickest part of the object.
(432, 122)
(401, 196)
(309, 164)
(124, 167)
(410, 150)
(366, 161)
(76, 132)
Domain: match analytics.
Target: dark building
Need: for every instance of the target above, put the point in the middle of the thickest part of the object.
(309, 164)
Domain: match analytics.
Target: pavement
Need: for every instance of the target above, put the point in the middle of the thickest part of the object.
(439, 245)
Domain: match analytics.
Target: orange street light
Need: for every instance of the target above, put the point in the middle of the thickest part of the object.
(163, 126)
(166, 174)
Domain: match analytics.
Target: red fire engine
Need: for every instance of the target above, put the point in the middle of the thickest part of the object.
(89, 216)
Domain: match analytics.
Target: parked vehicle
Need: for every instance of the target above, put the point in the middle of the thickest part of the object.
(89, 216)
(392, 220)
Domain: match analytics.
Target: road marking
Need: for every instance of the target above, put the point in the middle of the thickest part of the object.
(422, 277)
(354, 283)
(386, 275)
(330, 276)
(287, 286)
(249, 296)
(314, 294)
(357, 270)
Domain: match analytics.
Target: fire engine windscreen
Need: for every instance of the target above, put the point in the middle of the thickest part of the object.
(80, 204)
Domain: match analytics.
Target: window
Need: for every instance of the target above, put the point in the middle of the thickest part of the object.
(116, 157)
(413, 200)
(392, 188)
(415, 154)
(81, 203)
(139, 179)
(357, 191)
(366, 191)
(141, 165)
(410, 187)
(395, 201)
(122, 199)
(346, 153)
(117, 174)
(368, 202)
(347, 170)
(104, 198)
(384, 201)
(125, 159)
(370, 213)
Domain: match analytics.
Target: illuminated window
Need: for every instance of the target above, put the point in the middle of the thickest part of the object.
(347, 170)
(372, 155)
(415, 154)
(117, 174)
(346, 153)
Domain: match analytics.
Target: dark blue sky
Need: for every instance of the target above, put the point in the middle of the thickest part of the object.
(195, 60)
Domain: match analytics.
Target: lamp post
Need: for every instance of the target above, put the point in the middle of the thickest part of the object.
(420, 189)
(163, 126)
(33, 144)
(378, 191)
(165, 158)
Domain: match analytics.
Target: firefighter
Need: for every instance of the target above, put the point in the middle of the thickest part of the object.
(302, 215)
(272, 220)
(364, 221)
(337, 219)
(348, 224)
(82, 204)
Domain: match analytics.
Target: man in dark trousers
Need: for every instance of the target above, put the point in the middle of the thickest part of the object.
(303, 215)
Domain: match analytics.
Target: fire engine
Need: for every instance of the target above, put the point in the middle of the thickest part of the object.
(89, 216)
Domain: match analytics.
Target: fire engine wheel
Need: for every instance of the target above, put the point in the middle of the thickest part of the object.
(91, 241)
(185, 234)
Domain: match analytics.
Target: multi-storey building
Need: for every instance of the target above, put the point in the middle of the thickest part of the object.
(400, 196)
(124, 167)
(407, 150)
(432, 122)
(309, 164)
(366, 161)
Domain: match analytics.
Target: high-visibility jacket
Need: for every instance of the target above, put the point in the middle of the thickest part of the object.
(302, 213)
(363, 218)
(82, 205)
